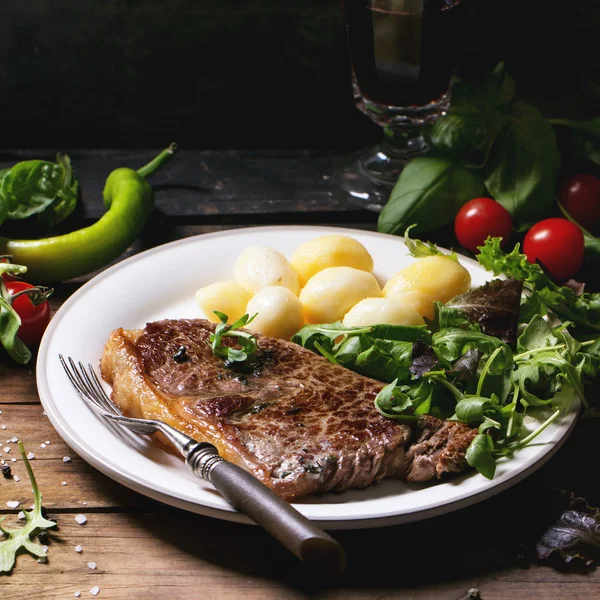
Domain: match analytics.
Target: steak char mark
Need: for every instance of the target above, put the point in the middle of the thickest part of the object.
(297, 422)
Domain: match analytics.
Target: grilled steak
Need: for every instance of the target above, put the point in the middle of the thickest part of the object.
(297, 422)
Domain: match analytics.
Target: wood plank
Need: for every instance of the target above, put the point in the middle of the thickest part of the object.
(177, 554)
(209, 183)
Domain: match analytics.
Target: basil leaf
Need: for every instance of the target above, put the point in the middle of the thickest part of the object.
(585, 138)
(30, 186)
(66, 198)
(479, 455)
(523, 166)
(429, 192)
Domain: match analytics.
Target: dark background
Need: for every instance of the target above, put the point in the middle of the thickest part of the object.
(253, 74)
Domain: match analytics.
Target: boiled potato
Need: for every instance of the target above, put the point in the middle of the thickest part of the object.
(228, 297)
(421, 301)
(331, 293)
(258, 267)
(280, 313)
(375, 311)
(330, 251)
(439, 276)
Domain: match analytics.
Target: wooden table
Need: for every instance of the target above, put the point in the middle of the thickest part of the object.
(150, 551)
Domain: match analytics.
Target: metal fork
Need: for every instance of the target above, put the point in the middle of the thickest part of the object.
(241, 489)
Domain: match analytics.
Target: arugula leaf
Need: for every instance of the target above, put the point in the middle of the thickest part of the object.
(247, 341)
(537, 334)
(328, 333)
(583, 310)
(466, 366)
(429, 192)
(479, 455)
(472, 409)
(18, 539)
(451, 343)
(391, 402)
(495, 306)
(522, 171)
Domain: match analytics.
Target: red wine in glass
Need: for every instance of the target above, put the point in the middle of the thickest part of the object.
(403, 53)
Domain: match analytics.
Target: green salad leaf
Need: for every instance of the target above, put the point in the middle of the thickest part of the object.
(20, 539)
(247, 341)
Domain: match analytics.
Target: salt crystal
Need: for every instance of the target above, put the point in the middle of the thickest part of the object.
(45, 548)
(7, 449)
(14, 439)
(13, 460)
(47, 443)
(42, 445)
(77, 594)
(81, 519)
(2, 426)
(30, 456)
(64, 483)
(44, 413)
(16, 478)
(94, 591)
(21, 515)
(0, 412)
(12, 504)
(78, 548)
(91, 565)
(66, 459)
(2, 462)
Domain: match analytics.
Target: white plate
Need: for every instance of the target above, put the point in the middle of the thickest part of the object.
(161, 283)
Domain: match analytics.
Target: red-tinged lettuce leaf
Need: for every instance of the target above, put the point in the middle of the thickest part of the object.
(572, 542)
(494, 306)
(466, 366)
(424, 359)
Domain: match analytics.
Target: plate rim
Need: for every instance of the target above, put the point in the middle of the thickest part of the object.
(139, 484)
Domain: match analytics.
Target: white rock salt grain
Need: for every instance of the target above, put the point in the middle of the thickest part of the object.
(6, 449)
(78, 548)
(14, 439)
(12, 504)
(94, 591)
(45, 548)
(91, 565)
(66, 459)
(77, 594)
(16, 478)
(21, 515)
(64, 483)
(81, 519)
(47, 443)
(30, 456)
(2, 426)
(13, 460)
(42, 446)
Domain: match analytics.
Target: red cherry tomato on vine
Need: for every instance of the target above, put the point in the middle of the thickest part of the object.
(34, 319)
(580, 195)
(480, 218)
(558, 244)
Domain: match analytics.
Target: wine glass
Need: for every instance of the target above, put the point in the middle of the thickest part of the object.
(402, 54)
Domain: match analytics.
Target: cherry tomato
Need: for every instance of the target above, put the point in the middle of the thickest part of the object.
(558, 244)
(34, 319)
(580, 195)
(480, 218)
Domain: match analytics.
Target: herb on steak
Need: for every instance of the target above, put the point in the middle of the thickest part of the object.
(245, 339)
(17, 539)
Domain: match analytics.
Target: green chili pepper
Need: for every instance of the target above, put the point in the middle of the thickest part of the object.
(129, 201)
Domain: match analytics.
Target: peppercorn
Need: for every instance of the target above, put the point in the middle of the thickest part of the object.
(43, 537)
(6, 471)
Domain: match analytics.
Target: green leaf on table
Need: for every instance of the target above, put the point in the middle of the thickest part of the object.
(20, 539)
(429, 193)
(523, 167)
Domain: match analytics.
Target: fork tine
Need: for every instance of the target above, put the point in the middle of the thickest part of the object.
(99, 393)
(74, 377)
